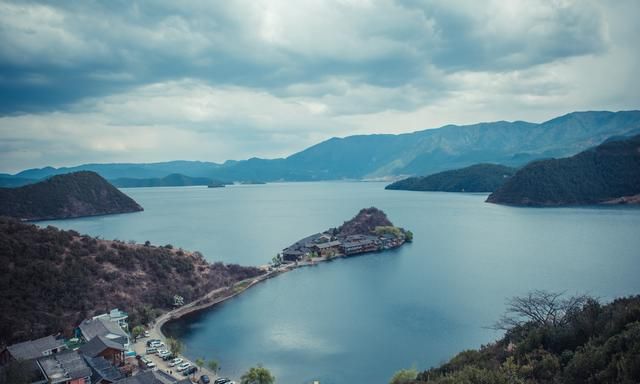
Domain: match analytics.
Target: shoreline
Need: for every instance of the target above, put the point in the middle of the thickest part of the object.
(211, 299)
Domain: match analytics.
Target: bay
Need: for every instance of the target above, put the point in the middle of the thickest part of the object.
(358, 320)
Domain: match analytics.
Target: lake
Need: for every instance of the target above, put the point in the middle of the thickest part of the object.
(358, 320)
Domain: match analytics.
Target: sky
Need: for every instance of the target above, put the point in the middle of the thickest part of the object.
(146, 81)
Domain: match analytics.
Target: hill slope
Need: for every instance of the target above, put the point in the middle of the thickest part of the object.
(52, 279)
(65, 196)
(606, 172)
(475, 178)
(418, 153)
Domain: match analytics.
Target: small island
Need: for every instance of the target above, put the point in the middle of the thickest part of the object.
(369, 231)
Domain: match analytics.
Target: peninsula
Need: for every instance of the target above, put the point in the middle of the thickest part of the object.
(369, 231)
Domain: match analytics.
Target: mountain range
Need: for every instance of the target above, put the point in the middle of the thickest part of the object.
(390, 156)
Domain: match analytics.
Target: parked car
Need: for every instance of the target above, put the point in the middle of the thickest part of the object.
(149, 342)
(152, 351)
(222, 380)
(157, 344)
(183, 366)
(148, 363)
(163, 352)
(204, 379)
(168, 357)
(190, 370)
(146, 334)
(175, 362)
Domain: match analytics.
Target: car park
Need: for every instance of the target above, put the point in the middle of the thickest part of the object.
(176, 361)
(190, 371)
(183, 366)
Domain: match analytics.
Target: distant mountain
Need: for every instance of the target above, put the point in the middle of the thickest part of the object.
(610, 171)
(9, 181)
(173, 180)
(65, 196)
(475, 178)
(419, 153)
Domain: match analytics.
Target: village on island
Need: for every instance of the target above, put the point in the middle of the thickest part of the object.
(104, 350)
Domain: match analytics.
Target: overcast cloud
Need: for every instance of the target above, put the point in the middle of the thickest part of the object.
(122, 81)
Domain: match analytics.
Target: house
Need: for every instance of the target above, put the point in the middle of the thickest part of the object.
(101, 346)
(32, 349)
(102, 371)
(89, 329)
(65, 368)
(289, 254)
(328, 248)
(117, 316)
(360, 243)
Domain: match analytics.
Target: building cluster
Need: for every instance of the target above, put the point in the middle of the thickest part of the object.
(96, 355)
(327, 245)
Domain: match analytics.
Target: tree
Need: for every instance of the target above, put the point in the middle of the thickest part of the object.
(541, 308)
(257, 375)
(408, 235)
(175, 346)
(214, 366)
(200, 363)
(137, 331)
(404, 376)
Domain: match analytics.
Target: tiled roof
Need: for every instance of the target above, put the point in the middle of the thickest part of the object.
(94, 327)
(102, 369)
(34, 348)
(98, 344)
(65, 366)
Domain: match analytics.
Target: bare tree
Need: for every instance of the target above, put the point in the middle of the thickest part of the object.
(542, 308)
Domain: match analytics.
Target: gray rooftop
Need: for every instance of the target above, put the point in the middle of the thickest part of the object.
(101, 327)
(102, 369)
(65, 366)
(98, 344)
(34, 348)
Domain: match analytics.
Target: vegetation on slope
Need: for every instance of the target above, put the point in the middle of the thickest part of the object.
(475, 178)
(65, 196)
(552, 340)
(51, 279)
(365, 222)
(606, 172)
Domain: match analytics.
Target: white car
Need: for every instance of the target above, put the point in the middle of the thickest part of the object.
(157, 344)
(183, 366)
(175, 362)
(146, 334)
(163, 353)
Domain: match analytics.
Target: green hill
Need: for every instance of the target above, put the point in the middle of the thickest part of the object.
(475, 178)
(604, 173)
(65, 196)
(52, 279)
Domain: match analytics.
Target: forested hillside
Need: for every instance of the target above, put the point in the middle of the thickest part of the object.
(51, 279)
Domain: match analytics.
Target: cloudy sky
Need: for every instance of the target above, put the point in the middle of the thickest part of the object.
(138, 81)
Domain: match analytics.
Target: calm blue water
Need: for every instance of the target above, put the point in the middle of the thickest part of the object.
(359, 320)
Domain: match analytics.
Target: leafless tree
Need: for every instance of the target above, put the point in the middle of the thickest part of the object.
(542, 308)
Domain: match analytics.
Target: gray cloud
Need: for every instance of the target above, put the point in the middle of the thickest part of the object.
(145, 81)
